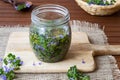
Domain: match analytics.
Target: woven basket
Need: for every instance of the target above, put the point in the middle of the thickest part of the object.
(98, 9)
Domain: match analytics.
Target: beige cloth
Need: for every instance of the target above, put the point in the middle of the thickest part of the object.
(107, 69)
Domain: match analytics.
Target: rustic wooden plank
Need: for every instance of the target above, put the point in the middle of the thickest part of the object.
(114, 43)
(114, 39)
(112, 34)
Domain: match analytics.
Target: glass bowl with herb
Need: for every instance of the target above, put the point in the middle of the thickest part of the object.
(50, 33)
(99, 7)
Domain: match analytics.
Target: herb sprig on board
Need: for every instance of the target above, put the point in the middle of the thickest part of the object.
(10, 63)
(74, 74)
(101, 2)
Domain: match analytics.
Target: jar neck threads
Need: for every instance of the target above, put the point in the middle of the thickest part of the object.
(50, 15)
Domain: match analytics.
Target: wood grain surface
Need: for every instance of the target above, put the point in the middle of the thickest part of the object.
(9, 16)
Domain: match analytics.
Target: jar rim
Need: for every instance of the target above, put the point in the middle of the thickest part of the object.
(55, 8)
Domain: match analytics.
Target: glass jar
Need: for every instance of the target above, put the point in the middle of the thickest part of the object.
(50, 33)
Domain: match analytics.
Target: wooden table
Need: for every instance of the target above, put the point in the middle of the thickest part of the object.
(9, 16)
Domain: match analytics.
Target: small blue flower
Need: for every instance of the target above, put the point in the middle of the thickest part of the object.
(11, 69)
(14, 60)
(28, 5)
(61, 36)
(41, 48)
(83, 61)
(9, 61)
(6, 69)
(52, 43)
(1, 59)
(21, 62)
(39, 63)
(18, 58)
(34, 64)
(3, 77)
(16, 7)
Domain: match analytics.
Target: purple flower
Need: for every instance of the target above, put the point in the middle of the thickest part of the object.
(28, 4)
(83, 61)
(21, 62)
(6, 69)
(52, 43)
(14, 60)
(16, 7)
(11, 69)
(9, 61)
(39, 63)
(3, 77)
(1, 59)
(40, 47)
(34, 64)
(48, 45)
(61, 36)
(18, 58)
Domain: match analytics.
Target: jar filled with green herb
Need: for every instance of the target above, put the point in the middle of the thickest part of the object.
(50, 33)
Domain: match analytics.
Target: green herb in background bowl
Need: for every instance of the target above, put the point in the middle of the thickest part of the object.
(99, 7)
(101, 2)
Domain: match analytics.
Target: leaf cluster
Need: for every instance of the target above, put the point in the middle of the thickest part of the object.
(74, 74)
(11, 63)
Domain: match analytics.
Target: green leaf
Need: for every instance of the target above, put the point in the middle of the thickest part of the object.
(10, 54)
(1, 71)
(5, 61)
(86, 78)
(10, 75)
(107, 3)
(21, 6)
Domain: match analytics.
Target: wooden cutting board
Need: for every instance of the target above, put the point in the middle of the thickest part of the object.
(80, 54)
(18, 44)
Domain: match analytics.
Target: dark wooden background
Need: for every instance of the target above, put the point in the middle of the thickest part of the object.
(9, 16)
